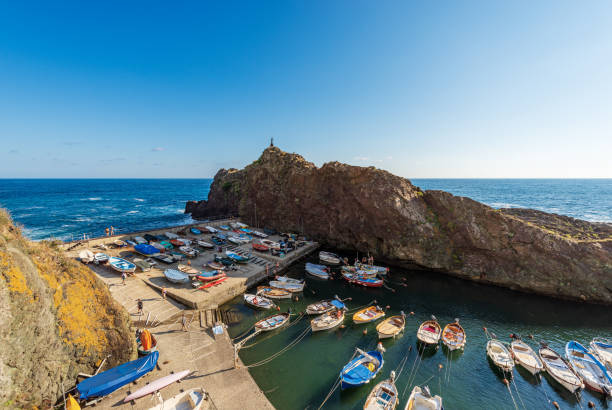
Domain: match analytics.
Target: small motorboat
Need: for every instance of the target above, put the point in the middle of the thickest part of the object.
(189, 270)
(204, 244)
(291, 287)
(259, 234)
(328, 320)
(236, 257)
(559, 369)
(329, 258)
(273, 293)
(191, 399)
(235, 240)
(453, 336)
(369, 314)
(589, 368)
(146, 342)
(86, 256)
(362, 369)
(384, 395)
(188, 251)
(176, 276)
(142, 264)
(422, 399)
(177, 243)
(391, 326)
(167, 245)
(171, 235)
(272, 322)
(215, 265)
(603, 350)
(270, 244)
(500, 355)
(100, 258)
(258, 246)
(318, 271)
(526, 357)
(429, 332)
(121, 265)
(163, 258)
(211, 229)
(195, 231)
(258, 302)
(156, 385)
(211, 276)
(324, 306)
(119, 243)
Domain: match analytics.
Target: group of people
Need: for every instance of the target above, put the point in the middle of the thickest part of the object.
(110, 231)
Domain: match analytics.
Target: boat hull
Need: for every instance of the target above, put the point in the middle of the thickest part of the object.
(156, 385)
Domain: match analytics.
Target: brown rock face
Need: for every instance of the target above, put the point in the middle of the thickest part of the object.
(56, 320)
(371, 210)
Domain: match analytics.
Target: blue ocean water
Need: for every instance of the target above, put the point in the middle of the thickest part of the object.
(67, 208)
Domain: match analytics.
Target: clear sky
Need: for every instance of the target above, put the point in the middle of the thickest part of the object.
(423, 89)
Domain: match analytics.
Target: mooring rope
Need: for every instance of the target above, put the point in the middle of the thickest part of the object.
(361, 307)
(517, 392)
(283, 350)
(335, 385)
(511, 396)
(271, 335)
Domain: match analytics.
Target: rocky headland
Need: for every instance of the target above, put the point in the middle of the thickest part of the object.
(371, 210)
(57, 319)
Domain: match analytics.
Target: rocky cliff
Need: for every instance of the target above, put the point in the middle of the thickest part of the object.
(371, 210)
(56, 320)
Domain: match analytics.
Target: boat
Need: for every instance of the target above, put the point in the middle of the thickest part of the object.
(195, 231)
(71, 403)
(119, 243)
(217, 241)
(500, 355)
(318, 271)
(177, 242)
(140, 240)
(362, 369)
(167, 245)
(224, 260)
(272, 322)
(234, 240)
(148, 237)
(258, 246)
(225, 227)
(86, 256)
(157, 245)
(391, 326)
(603, 350)
(270, 244)
(359, 272)
(287, 279)
(422, 399)
(191, 399)
(330, 319)
(589, 368)
(368, 314)
(130, 242)
(156, 385)
(145, 249)
(291, 287)
(171, 235)
(324, 306)
(163, 258)
(273, 293)
(177, 256)
(204, 244)
(259, 234)
(362, 280)
(453, 336)
(186, 241)
(189, 270)
(384, 395)
(188, 251)
(110, 380)
(240, 225)
(329, 258)
(429, 332)
(176, 276)
(559, 369)
(215, 265)
(236, 257)
(146, 342)
(258, 302)
(210, 275)
(142, 264)
(211, 229)
(211, 283)
(526, 357)
(381, 270)
(121, 265)
(100, 258)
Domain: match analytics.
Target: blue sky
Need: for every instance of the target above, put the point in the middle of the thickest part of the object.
(423, 89)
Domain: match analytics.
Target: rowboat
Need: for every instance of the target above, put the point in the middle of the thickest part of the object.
(212, 283)
(361, 369)
(422, 399)
(362, 281)
(176, 276)
(225, 261)
(383, 396)
(163, 258)
(121, 265)
(236, 257)
(188, 251)
(140, 240)
(167, 245)
(186, 241)
(211, 275)
(318, 271)
(189, 270)
(215, 265)
(205, 244)
(110, 380)
(146, 249)
(86, 256)
(171, 235)
(453, 336)
(71, 403)
(324, 306)
(499, 355)
(359, 272)
(234, 240)
(270, 244)
(273, 293)
(177, 256)
(191, 399)
(259, 234)
(603, 350)
(525, 356)
(177, 242)
(211, 229)
(291, 287)
(272, 322)
(258, 302)
(100, 258)
(146, 343)
(258, 246)
(119, 243)
(559, 369)
(142, 264)
(369, 314)
(328, 320)
(157, 245)
(156, 385)
(381, 270)
(329, 258)
(149, 237)
(287, 279)
(429, 332)
(195, 231)
(225, 227)
(391, 326)
(589, 368)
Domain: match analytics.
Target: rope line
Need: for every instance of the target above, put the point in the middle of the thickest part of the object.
(295, 341)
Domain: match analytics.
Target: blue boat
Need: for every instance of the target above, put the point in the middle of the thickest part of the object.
(195, 231)
(146, 249)
(176, 276)
(317, 271)
(236, 257)
(121, 265)
(225, 227)
(362, 369)
(594, 374)
(107, 382)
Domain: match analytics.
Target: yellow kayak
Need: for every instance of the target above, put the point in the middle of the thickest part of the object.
(72, 404)
(369, 314)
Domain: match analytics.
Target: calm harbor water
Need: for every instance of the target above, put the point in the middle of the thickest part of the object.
(303, 376)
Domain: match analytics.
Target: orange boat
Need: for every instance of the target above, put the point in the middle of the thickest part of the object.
(146, 343)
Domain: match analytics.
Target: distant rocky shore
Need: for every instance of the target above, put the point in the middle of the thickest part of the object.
(371, 210)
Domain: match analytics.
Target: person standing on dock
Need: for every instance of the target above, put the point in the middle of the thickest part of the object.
(183, 323)
(140, 306)
(164, 293)
(123, 276)
(112, 230)
(107, 231)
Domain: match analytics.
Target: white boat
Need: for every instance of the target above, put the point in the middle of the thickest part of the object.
(140, 239)
(100, 258)
(318, 271)
(453, 336)
(287, 279)
(188, 251)
(526, 357)
(429, 332)
(258, 302)
(186, 241)
(589, 368)
(272, 322)
(291, 287)
(391, 326)
(500, 355)
(86, 256)
(327, 320)
(171, 235)
(241, 225)
(176, 276)
(321, 307)
(205, 244)
(259, 234)
(273, 293)
(560, 370)
(211, 229)
(422, 399)
(330, 258)
(156, 385)
(603, 349)
(191, 399)
(157, 246)
(270, 244)
(383, 396)
(121, 265)
(234, 240)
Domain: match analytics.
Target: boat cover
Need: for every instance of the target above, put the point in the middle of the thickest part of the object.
(356, 373)
(338, 304)
(117, 377)
(176, 276)
(146, 249)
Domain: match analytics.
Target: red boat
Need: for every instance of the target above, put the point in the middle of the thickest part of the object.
(260, 247)
(204, 278)
(210, 284)
(177, 242)
(362, 281)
